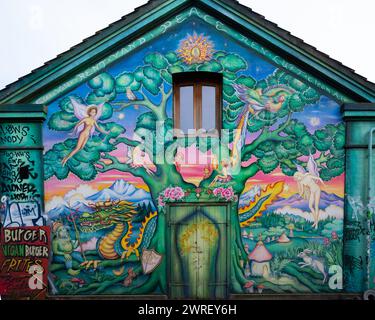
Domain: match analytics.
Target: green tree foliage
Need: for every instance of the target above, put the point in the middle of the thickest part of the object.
(281, 141)
(83, 165)
(299, 95)
(334, 226)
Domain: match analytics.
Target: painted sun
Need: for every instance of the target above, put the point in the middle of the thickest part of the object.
(195, 49)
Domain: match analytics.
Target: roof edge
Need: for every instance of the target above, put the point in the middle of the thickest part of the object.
(274, 37)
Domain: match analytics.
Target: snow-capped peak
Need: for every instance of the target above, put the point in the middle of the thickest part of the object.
(121, 187)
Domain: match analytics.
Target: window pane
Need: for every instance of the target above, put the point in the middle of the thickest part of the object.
(186, 108)
(208, 107)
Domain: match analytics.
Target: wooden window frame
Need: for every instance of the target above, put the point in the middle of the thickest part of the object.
(197, 80)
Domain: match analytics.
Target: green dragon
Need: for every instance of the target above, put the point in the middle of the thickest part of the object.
(125, 235)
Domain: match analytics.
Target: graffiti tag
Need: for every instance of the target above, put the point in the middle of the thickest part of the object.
(21, 214)
(14, 133)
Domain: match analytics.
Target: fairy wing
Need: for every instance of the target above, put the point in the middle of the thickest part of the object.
(312, 166)
(78, 129)
(80, 110)
(99, 111)
(300, 169)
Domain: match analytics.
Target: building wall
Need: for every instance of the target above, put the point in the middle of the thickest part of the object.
(107, 202)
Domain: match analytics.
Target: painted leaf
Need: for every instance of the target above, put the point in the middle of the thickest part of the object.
(156, 60)
(232, 62)
(123, 81)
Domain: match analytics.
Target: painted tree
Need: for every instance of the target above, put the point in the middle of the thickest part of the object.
(280, 139)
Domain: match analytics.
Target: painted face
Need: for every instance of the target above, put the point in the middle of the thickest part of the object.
(92, 112)
(63, 233)
(225, 163)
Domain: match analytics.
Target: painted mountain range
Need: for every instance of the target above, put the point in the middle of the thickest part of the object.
(297, 202)
(330, 205)
(119, 190)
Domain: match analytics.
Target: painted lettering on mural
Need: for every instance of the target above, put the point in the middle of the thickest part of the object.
(24, 258)
(18, 175)
(16, 213)
(15, 133)
(20, 188)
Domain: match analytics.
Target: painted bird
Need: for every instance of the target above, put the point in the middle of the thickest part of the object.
(130, 95)
(270, 99)
(138, 158)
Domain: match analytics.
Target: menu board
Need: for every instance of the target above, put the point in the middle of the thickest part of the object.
(24, 253)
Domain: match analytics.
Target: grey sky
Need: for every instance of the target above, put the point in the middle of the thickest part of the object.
(35, 31)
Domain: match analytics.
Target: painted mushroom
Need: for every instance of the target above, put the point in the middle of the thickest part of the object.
(260, 259)
(260, 288)
(78, 281)
(283, 238)
(249, 287)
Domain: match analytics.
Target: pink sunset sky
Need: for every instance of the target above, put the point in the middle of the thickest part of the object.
(193, 163)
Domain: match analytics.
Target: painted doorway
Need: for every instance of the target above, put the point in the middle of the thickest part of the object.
(198, 250)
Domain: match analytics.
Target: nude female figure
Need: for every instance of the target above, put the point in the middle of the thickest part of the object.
(308, 187)
(85, 127)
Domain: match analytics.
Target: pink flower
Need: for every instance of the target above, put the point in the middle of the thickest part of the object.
(161, 201)
(198, 190)
(172, 195)
(227, 193)
(179, 193)
(175, 193)
(334, 235)
(218, 191)
(167, 192)
(326, 241)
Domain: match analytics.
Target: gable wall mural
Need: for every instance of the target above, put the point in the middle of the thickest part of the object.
(107, 196)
